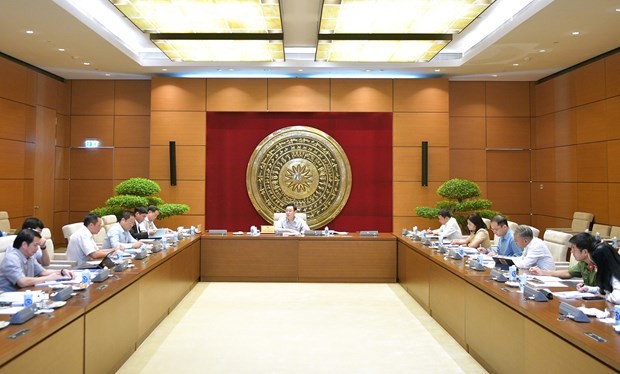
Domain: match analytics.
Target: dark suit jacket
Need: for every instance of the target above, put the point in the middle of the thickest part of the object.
(138, 235)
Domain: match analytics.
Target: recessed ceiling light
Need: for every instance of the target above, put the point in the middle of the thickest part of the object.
(86, 63)
(617, 9)
(164, 69)
(494, 75)
(437, 70)
(108, 74)
(29, 32)
(575, 32)
(61, 49)
(231, 69)
(542, 50)
(515, 64)
(300, 69)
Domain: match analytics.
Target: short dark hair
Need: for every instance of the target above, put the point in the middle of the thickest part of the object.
(583, 240)
(126, 215)
(91, 218)
(152, 208)
(25, 235)
(139, 209)
(500, 220)
(445, 213)
(291, 205)
(33, 223)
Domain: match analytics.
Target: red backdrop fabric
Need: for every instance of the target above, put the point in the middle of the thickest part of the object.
(366, 139)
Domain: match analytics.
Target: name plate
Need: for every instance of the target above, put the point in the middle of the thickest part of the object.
(369, 233)
(217, 232)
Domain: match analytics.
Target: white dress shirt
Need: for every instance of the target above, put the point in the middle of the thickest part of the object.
(535, 254)
(147, 225)
(116, 235)
(81, 244)
(450, 230)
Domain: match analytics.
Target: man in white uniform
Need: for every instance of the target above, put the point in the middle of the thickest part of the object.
(290, 223)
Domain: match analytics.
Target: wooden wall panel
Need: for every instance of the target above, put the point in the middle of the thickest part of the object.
(62, 165)
(507, 166)
(61, 195)
(360, 95)
(467, 99)
(421, 95)
(612, 75)
(555, 164)
(15, 152)
(16, 120)
(510, 197)
(544, 100)
(95, 163)
(132, 131)
(508, 99)
(613, 193)
(298, 95)
(12, 196)
(92, 127)
(592, 122)
(178, 94)
(555, 199)
(592, 162)
(190, 165)
(508, 132)
(543, 222)
(186, 128)
(410, 129)
(236, 95)
(86, 195)
(131, 163)
(407, 164)
(588, 83)
(592, 198)
(132, 98)
(92, 97)
(17, 82)
(563, 98)
(44, 164)
(60, 219)
(468, 164)
(556, 129)
(48, 91)
(191, 193)
(467, 132)
(409, 195)
(612, 111)
(63, 130)
(613, 162)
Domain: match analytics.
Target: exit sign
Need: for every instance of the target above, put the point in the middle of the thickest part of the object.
(91, 143)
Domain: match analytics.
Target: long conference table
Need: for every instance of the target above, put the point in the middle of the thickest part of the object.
(101, 327)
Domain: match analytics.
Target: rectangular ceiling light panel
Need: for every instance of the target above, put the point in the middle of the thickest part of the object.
(379, 50)
(222, 50)
(203, 16)
(399, 16)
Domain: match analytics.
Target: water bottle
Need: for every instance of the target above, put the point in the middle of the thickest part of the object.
(415, 230)
(326, 231)
(614, 242)
(86, 277)
(163, 242)
(27, 298)
(617, 314)
(440, 239)
(512, 275)
(597, 236)
(119, 256)
(192, 231)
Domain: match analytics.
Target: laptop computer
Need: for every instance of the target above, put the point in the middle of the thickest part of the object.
(159, 234)
(503, 262)
(107, 261)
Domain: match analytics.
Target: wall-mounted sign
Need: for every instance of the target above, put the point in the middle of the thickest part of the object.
(91, 143)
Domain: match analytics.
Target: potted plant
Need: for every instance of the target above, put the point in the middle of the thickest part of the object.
(139, 192)
(461, 200)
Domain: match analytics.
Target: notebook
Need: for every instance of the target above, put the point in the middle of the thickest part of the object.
(158, 234)
(106, 262)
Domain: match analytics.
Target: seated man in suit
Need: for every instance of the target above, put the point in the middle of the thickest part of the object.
(290, 223)
(584, 268)
(535, 251)
(449, 228)
(42, 256)
(118, 235)
(506, 245)
(19, 268)
(82, 246)
(149, 221)
(136, 230)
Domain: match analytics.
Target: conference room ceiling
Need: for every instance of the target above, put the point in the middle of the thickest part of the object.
(536, 43)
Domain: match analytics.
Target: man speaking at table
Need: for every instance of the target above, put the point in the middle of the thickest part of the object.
(290, 223)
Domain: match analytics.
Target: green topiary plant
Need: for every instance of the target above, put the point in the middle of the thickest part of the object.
(461, 195)
(139, 192)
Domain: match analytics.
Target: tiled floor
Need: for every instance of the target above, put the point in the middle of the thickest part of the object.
(300, 328)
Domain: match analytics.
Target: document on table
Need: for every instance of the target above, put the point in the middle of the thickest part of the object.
(572, 294)
(17, 298)
(545, 281)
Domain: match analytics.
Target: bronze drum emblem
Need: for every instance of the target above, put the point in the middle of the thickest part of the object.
(300, 165)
